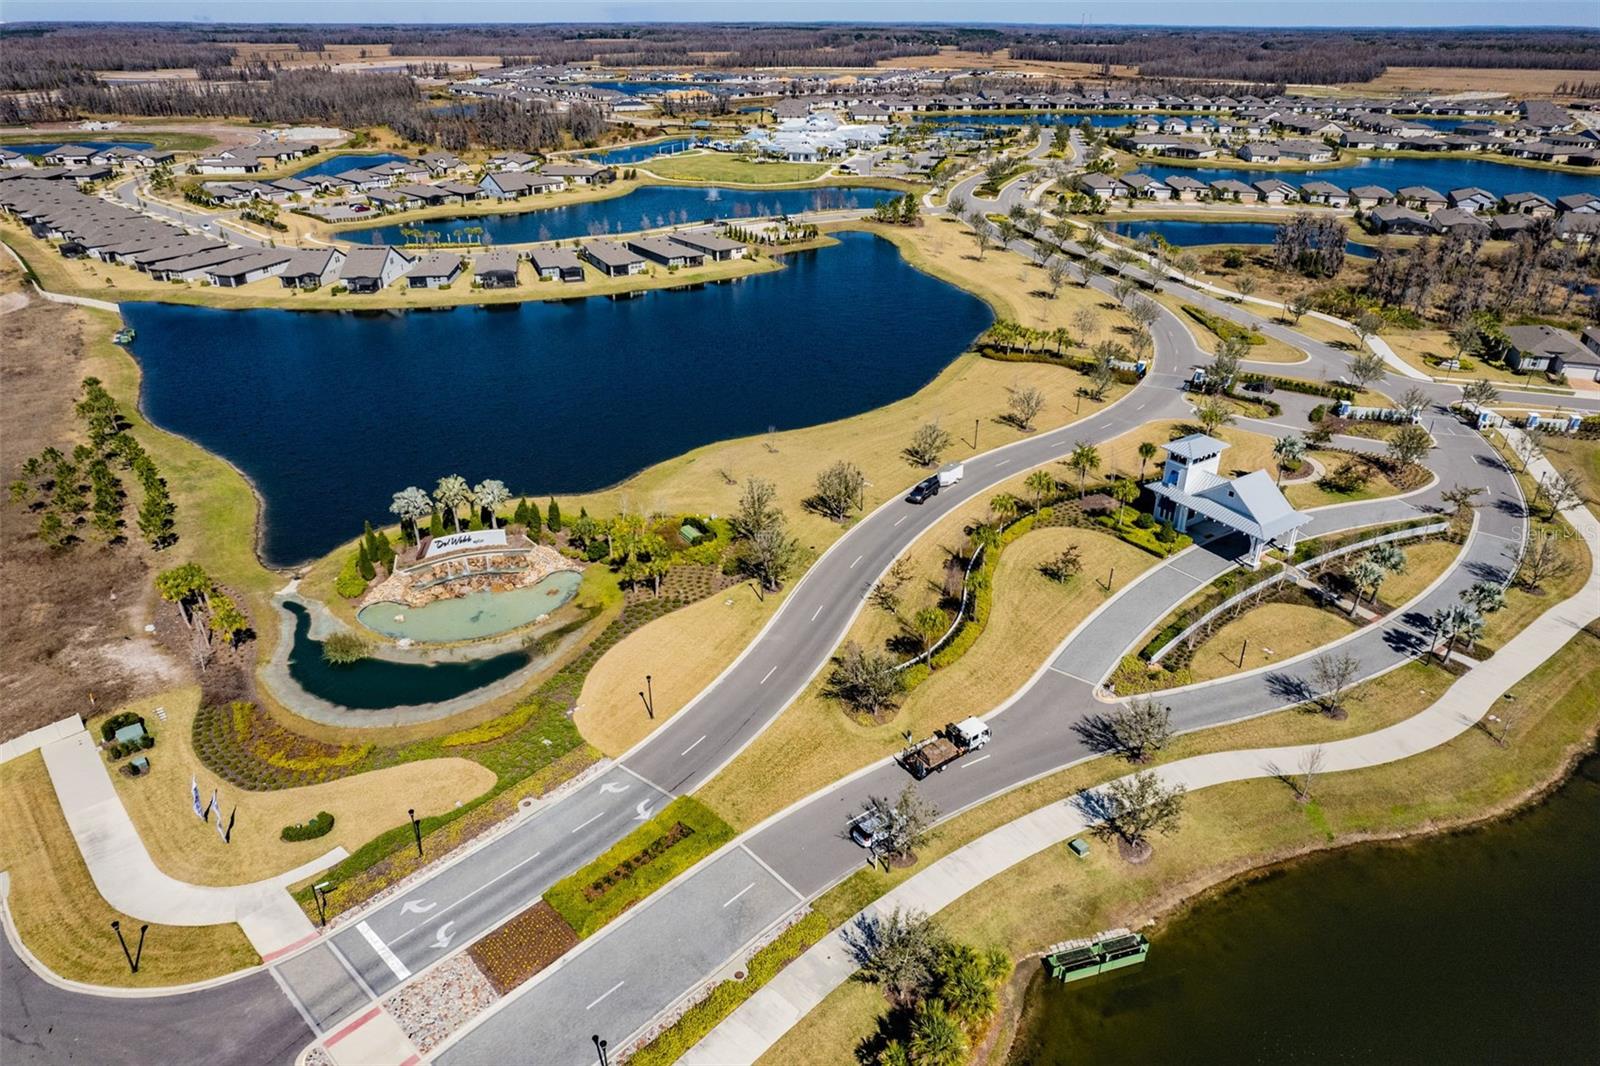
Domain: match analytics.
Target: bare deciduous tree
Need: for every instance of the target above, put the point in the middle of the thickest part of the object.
(1332, 675)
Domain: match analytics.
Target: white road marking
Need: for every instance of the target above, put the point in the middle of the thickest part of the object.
(739, 893)
(769, 673)
(1075, 677)
(691, 747)
(902, 518)
(390, 958)
(452, 906)
(1002, 462)
(604, 994)
(613, 786)
(596, 818)
(858, 559)
(974, 762)
(818, 611)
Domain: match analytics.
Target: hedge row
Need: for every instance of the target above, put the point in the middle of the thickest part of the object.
(320, 826)
(1310, 388)
(1222, 327)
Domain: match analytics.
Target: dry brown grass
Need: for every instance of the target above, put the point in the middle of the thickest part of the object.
(1472, 79)
(950, 58)
(362, 807)
(63, 919)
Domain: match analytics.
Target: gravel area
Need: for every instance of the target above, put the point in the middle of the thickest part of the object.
(448, 997)
(317, 1055)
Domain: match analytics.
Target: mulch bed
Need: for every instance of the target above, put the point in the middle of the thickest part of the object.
(523, 946)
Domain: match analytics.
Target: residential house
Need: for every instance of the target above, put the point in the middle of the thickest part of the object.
(442, 163)
(1529, 203)
(580, 172)
(1191, 491)
(1325, 193)
(373, 269)
(69, 155)
(1459, 220)
(1393, 218)
(495, 270)
(512, 161)
(1185, 188)
(1587, 203)
(514, 184)
(556, 264)
(1471, 198)
(311, 268)
(1506, 227)
(1146, 187)
(1544, 348)
(667, 252)
(434, 271)
(1273, 191)
(1370, 196)
(253, 267)
(1305, 151)
(612, 259)
(1102, 186)
(1229, 189)
(712, 244)
(14, 160)
(1422, 198)
(1259, 152)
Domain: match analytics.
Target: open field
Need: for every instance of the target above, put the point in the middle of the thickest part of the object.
(1266, 634)
(951, 58)
(728, 169)
(362, 807)
(1574, 456)
(1471, 80)
(1234, 828)
(62, 918)
(815, 740)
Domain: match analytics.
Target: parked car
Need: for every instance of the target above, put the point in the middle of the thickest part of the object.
(868, 829)
(924, 490)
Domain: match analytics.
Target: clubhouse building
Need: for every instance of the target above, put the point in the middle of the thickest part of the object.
(1191, 490)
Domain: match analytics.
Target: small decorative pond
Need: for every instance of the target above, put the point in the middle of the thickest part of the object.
(377, 684)
(474, 616)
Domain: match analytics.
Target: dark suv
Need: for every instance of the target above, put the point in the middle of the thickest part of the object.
(924, 490)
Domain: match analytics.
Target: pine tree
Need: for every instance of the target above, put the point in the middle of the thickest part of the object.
(519, 517)
(553, 516)
(364, 563)
(533, 523)
(436, 525)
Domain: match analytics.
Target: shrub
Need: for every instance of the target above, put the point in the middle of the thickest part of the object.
(320, 826)
(345, 648)
(1146, 520)
(350, 583)
(1224, 328)
(1318, 413)
(109, 727)
(147, 741)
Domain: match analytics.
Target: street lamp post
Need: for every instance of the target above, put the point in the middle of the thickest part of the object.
(651, 692)
(132, 957)
(319, 892)
(600, 1049)
(416, 829)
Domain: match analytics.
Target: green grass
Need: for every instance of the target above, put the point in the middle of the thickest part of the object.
(588, 902)
(164, 140)
(721, 167)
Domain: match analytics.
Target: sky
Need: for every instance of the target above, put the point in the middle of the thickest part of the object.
(1064, 12)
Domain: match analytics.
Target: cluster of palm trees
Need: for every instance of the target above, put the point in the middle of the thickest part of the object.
(1371, 569)
(412, 505)
(1010, 336)
(1463, 621)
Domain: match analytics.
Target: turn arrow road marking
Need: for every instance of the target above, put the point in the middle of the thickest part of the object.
(417, 906)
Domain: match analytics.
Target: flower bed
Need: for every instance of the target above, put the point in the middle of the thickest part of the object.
(522, 947)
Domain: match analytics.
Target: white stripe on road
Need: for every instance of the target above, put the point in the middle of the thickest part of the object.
(1002, 462)
(604, 994)
(769, 673)
(596, 818)
(902, 518)
(974, 762)
(691, 747)
(858, 559)
(818, 611)
(390, 958)
(741, 892)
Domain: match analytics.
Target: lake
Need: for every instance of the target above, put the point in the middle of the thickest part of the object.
(338, 164)
(636, 153)
(1441, 175)
(41, 147)
(646, 207)
(330, 413)
(1189, 234)
(1468, 948)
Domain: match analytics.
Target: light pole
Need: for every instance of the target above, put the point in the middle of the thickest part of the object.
(651, 692)
(416, 829)
(132, 957)
(319, 892)
(600, 1049)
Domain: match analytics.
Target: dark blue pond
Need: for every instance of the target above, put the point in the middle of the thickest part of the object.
(1040, 118)
(338, 164)
(41, 147)
(634, 153)
(1441, 175)
(377, 684)
(1190, 234)
(330, 413)
(644, 88)
(646, 207)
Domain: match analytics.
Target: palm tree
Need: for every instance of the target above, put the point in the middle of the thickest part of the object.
(1364, 574)
(1288, 449)
(411, 505)
(451, 493)
(1004, 507)
(1147, 452)
(1041, 484)
(1124, 492)
(936, 1037)
(1084, 460)
(488, 496)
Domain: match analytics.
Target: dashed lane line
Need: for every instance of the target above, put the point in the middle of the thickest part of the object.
(596, 1002)
(389, 958)
(693, 746)
(768, 674)
(735, 897)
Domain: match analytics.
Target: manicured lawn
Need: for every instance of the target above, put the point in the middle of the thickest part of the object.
(362, 807)
(1424, 563)
(1230, 828)
(1268, 634)
(730, 169)
(685, 832)
(815, 741)
(1573, 456)
(63, 919)
(1423, 349)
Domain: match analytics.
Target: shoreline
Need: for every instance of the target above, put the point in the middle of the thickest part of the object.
(1180, 902)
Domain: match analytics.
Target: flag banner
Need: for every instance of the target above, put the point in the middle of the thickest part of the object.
(210, 806)
(222, 830)
(227, 837)
(194, 793)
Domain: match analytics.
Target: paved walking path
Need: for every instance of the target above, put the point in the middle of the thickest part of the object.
(758, 1024)
(129, 879)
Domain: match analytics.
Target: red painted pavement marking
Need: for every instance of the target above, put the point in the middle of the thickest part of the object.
(412, 1061)
(352, 1027)
(302, 942)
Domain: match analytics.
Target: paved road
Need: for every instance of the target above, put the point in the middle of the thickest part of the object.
(211, 224)
(244, 1022)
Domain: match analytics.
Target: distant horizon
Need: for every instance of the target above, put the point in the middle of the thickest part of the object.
(1479, 15)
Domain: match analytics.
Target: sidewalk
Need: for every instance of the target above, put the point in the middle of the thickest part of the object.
(128, 878)
(752, 1029)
